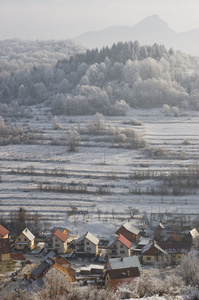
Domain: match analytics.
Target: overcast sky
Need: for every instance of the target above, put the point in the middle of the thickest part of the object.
(62, 19)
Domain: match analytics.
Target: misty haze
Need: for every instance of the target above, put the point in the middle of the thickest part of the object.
(99, 138)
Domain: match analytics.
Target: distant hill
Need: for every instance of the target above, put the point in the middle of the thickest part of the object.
(149, 31)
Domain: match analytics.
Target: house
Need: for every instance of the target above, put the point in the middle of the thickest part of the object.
(40, 270)
(4, 233)
(194, 233)
(87, 245)
(116, 277)
(25, 240)
(67, 265)
(123, 263)
(152, 253)
(51, 261)
(63, 271)
(4, 249)
(171, 235)
(136, 249)
(62, 229)
(159, 232)
(92, 269)
(119, 247)
(177, 251)
(56, 241)
(129, 231)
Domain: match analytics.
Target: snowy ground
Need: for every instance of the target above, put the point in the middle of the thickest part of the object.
(104, 170)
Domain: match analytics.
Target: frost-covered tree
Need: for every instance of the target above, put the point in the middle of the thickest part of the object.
(175, 111)
(63, 87)
(72, 139)
(166, 109)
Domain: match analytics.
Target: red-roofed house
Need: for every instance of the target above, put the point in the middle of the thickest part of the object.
(119, 247)
(4, 233)
(129, 231)
(57, 241)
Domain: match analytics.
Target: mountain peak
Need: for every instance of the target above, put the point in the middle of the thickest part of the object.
(148, 31)
(152, 21)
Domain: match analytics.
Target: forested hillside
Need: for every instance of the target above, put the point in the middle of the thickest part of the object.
(106, 81)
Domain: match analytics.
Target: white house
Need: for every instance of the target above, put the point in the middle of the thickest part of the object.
(25, 240)
(87, 245)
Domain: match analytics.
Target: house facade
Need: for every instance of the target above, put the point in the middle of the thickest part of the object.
(67, 265)
(87, 245)
(56, 241)
(129, 231)
(176, 251)
(152, 253)
(25, 240)
(119, 247)
(116, 277)
(4, 249)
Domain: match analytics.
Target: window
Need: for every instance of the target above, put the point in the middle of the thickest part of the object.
(121, 246)
(25, 239)
(87, 243)
(57, 245)
(19, 239)
(122, 252)
(88, 248)
(56, 240)
(148, 258)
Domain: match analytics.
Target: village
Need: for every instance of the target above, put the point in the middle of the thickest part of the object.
(87, 260)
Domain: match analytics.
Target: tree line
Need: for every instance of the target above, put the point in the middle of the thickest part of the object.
(108, 81)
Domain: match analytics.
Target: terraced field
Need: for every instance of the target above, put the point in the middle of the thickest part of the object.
(103, 178)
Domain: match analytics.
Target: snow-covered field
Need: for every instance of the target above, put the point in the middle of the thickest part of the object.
(97, 181)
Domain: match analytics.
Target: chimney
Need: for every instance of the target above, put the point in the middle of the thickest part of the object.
(121, 258)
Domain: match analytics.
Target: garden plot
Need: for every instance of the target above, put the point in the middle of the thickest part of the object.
(102, 179)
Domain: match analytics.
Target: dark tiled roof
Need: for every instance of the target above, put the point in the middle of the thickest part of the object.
(124, 273)
(175, 247)
(48, 255)
(38, 271)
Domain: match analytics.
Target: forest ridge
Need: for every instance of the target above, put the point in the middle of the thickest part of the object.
(108, 81)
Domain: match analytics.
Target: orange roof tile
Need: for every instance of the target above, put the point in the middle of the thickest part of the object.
(62, 270)
(61, 235)
(3, 231)
(62, 261)
(124, 241)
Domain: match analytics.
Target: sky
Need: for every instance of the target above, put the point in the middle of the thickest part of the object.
(63, 19)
